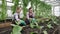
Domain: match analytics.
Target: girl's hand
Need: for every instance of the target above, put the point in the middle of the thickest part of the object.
(30, 18)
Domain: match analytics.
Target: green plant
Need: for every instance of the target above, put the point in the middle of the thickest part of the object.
(41, 8)
(55, 20)
(45, 32)
(16, 3)
(3, 14)
(41, 27)
(33, 33)
(49, 26)
(16, 29)
(33, 23)
(25, 3)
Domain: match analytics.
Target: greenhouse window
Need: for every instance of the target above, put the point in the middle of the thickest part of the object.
(57, 0)
(9, 13)
(0, 2)
(57, 10)
(10, 4)
(9, 0)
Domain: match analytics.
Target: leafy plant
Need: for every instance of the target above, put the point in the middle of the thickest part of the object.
(33, 23)
(45, 32)
(16, 29)
(33, 33)
(49, 26)
(16, 3)
(25, 3)
(41, 27)
(3, 14)
(41, 8)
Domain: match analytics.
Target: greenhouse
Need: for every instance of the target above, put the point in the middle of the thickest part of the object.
(29, 16)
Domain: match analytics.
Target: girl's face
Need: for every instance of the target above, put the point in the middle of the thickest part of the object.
(19, 10)
(30, 10)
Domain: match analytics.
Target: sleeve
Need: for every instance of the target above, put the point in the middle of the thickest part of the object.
(33, 14)
(27, 15)
(21, 14)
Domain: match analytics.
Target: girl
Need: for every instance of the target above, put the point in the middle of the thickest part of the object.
(30, 14)
(18, 16)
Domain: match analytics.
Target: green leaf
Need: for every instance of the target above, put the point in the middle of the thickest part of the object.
(16, 3)
(16, 29)
(45, 32)
(49, 26)
(41, 27)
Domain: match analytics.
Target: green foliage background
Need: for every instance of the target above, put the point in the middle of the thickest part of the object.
(3, 14)
(40, 8)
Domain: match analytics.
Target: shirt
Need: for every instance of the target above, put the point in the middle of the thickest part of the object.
(17, 17)
(28, 15)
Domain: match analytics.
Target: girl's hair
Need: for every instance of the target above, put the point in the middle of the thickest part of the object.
(30, 8)
(18, 8)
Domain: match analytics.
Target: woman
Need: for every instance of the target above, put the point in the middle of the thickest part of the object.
(30, 15)
(18, 16)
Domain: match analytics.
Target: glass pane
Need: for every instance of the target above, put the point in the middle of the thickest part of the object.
(57, 11)
(9, 13)
(57, 0)
(9, 0)
(0, 2)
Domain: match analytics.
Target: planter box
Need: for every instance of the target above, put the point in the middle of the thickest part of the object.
(7, 24)
(2, 21)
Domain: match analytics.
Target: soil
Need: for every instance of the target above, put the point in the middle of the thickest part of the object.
(28, 30)
(6, 30)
